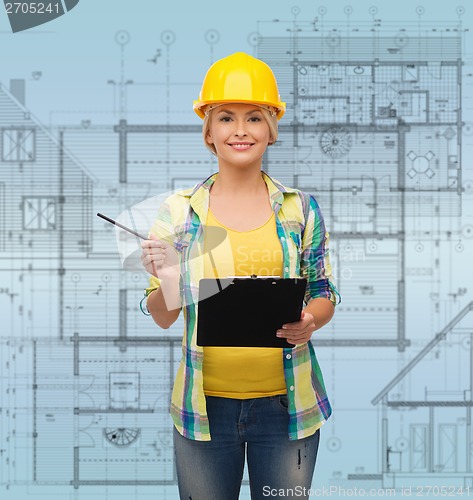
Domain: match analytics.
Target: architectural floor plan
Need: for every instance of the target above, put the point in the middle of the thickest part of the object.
(378, 127)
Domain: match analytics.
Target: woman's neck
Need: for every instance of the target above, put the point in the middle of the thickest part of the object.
(239, 183)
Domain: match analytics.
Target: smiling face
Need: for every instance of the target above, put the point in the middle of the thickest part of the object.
(239, 133)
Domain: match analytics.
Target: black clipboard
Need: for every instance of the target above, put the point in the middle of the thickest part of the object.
(247, 311)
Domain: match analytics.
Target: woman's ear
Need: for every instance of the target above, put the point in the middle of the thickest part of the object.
(208, 138)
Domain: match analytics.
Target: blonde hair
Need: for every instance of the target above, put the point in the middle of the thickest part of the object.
(270, 118)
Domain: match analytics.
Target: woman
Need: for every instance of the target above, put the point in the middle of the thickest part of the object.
(269, 403)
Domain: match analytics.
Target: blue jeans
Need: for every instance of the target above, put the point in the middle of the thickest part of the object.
(213, 470)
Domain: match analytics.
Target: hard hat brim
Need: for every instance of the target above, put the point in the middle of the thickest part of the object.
(200, 106)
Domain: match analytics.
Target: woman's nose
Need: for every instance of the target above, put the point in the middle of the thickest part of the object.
(240, 127)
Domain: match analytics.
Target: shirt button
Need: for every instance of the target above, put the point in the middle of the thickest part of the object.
(291, 388)
(282, 238)
(286, 269)
(288, 356)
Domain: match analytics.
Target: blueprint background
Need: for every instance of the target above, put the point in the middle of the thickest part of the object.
(77, 55)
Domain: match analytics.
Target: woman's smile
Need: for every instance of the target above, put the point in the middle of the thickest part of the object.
(240, 146)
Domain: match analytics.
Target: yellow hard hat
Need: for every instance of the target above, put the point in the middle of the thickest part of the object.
(240, 78)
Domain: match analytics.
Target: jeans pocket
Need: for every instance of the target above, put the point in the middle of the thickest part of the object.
(283, 401)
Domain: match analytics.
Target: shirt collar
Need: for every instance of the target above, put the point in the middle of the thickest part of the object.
(200, 194)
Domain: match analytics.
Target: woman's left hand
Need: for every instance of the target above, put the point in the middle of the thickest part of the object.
(299, 332)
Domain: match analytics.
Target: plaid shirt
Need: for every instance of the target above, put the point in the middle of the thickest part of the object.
(304, 240)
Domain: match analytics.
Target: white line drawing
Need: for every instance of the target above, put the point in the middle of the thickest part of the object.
(374, 128)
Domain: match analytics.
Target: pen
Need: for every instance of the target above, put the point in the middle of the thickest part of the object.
(122, 226)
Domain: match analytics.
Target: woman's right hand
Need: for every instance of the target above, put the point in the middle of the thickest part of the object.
(159, 258)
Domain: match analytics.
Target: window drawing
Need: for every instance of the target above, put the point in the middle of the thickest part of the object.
(18, 145)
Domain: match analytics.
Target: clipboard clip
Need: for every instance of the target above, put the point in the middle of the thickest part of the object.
(270, 277)
(253, 277)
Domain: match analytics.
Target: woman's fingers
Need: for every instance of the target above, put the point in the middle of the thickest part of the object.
(158, 255)
(298, 332)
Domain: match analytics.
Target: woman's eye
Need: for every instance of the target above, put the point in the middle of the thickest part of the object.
(227, 119)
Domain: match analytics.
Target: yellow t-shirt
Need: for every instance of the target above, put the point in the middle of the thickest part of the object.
(244, 372)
